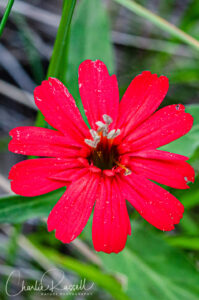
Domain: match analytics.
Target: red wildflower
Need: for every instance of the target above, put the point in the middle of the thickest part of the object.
(113, 161)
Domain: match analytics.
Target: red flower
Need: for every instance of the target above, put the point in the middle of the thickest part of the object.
(113, 161)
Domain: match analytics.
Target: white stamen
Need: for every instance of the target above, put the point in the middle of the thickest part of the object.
(100, 124)
(90, 143)
(110, 134)
(94, 135)
(117, 132)
(107, 119)
(96, 142)
(113, 133)
(104, 128)
(127, 172)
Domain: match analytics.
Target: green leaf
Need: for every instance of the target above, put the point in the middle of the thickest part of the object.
(187, 144)
(153, 269)
(189, 243)
(15, 209)
(87, 271)
(89, 39)
(188, 225)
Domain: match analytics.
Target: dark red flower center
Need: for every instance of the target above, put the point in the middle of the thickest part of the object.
(105, 155)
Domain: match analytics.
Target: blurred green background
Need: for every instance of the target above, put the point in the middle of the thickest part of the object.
(154, 265)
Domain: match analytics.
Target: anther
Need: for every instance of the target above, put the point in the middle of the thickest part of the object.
(94, 135)
(104, 129)
(127, 172)
(96, 139)
(100, 125)
(113, 134)
(107, 119)
(90, 143)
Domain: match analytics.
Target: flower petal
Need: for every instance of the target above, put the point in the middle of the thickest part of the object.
(98, 90)
(154, 204)
(70, 215)
(159, 154)
(111, 223)
(163, 127)
(142, 98)
(173, 173)
(42, 142)
(59, 108)
(32, 177)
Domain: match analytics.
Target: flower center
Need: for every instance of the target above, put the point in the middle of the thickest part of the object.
(104, 153)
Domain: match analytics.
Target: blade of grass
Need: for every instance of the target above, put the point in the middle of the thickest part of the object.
(33, 56)
(160, 22)
(11, 252)
(5, 16)
(59, 57)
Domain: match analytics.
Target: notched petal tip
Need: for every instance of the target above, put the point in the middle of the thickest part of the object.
(95, 63)
(172, 226)
(51, 226)
(174, 218)
(11, 132)
(16, 132)
(51, 83)
(108, 251)
(190, 177)
(63, 239)
(162, 81)
(12, 147)
(59, 235)
(180, 108)
(147, 73)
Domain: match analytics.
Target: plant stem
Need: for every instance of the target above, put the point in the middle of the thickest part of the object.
(5, 16)
(160, 22)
